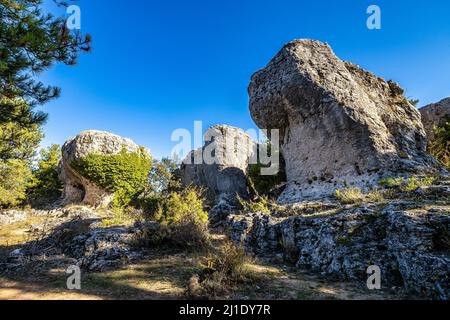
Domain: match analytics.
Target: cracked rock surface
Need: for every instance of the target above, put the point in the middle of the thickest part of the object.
(339, 124)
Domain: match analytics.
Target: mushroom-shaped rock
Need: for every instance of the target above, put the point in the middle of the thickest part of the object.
(339, 124)
(434, 115)
(220, 166)
(78, 188)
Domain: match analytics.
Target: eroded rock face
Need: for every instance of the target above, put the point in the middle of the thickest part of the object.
(78, 189)
(408, 245)
(434, 115)
(339, 125)
(220, 166)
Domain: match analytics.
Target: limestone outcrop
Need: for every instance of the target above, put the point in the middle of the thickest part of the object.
(409, 243)
(434, 115)
(220, 167)
(78, 189)
(344, 246)
(339, 124)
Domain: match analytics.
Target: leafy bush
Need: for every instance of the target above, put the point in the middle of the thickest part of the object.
(45, 184)
(179, 206)
(349, 195)
(125, 174)
(14, 178)
(439, 147)
(182, 216)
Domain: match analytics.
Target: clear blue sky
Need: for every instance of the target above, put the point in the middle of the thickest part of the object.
(159, 65)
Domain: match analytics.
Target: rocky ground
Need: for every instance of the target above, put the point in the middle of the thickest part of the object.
(408, 238)
(37, 247)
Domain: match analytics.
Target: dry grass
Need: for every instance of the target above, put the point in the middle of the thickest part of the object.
(19, 233)
(222, 270)
(349, 196)
(261, 204)
(356, 196)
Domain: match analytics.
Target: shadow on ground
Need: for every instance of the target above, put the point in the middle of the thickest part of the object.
(162, 273)
(40, 273)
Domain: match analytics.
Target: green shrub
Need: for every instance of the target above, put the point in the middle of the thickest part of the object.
(182, 214)
(14, 178)
(391, 182)
(45, 184)
(162, 181)
(260, 204)
(349, 195)
(415, 183)
(125, 174)
(149, 204)
(154, 235)
(439, 147)
(406, 185)
(179, 206)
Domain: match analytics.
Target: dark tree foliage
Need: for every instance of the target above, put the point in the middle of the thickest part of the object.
(31, 41)
(45, 184)
(439, 147)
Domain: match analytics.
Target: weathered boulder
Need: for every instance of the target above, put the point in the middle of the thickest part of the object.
(220, 167)
(434, 115)
(339, 124)
(78, 189)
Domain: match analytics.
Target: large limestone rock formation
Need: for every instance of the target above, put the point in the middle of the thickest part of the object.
(78, 189)
(339, 124)
(434, 115)
(220, 167)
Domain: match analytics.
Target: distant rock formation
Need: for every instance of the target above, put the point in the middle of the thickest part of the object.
(220, 167)
(78, 189)
(434, 115)
(339, 124)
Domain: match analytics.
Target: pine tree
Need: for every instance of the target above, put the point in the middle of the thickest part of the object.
(45, 184)
(30, 42)
(439, 147)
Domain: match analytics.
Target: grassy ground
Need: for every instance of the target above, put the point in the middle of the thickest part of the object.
(18, 233)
